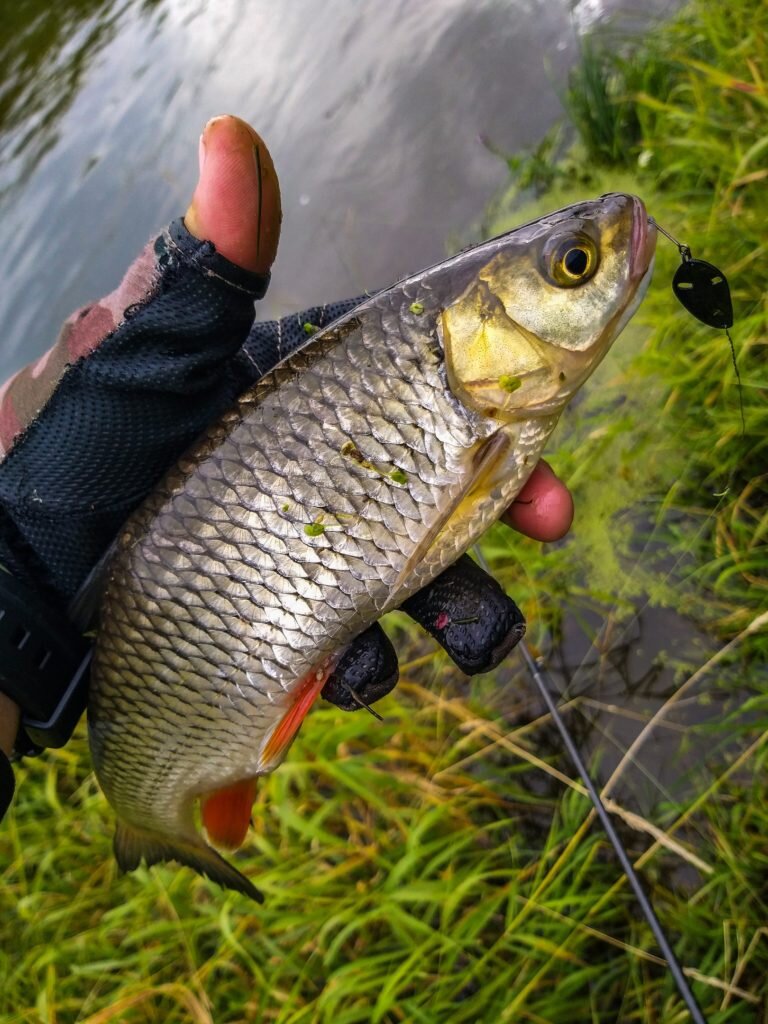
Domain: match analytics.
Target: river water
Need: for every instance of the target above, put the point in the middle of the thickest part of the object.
(377, 115)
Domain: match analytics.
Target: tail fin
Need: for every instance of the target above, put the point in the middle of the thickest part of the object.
(132, 845)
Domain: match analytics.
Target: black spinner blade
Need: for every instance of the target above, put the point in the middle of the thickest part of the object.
(702, 288)
(704, 291)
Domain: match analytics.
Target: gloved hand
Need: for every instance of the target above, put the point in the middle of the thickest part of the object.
(87, 430)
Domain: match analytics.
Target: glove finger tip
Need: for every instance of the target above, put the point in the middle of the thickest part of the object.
(469, 615)
(366, 672)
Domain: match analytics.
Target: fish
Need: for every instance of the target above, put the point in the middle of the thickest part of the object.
(344, 481)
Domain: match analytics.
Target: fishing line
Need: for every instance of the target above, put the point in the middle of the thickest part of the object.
(568, 693)
(537, 673)
(573, 689)
(543, 683)
(703, 290)
(361, 703)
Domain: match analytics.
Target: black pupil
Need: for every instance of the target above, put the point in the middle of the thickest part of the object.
(575, 262)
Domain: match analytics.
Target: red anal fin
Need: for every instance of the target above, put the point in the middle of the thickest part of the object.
(227, 813)
(305, 693)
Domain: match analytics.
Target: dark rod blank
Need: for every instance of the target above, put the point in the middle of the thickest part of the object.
(538, 673)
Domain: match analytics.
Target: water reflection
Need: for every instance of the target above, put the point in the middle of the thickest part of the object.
(45, 53)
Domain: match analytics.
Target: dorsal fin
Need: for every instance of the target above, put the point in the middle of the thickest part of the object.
(302, 358)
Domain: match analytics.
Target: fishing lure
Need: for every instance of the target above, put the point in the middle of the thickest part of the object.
(702, 288)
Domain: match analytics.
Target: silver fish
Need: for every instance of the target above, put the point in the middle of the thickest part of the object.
(348, 478)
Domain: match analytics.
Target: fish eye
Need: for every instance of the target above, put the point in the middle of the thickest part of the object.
(570, 261)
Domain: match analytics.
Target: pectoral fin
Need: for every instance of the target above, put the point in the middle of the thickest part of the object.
(133, 845)
(489, 466)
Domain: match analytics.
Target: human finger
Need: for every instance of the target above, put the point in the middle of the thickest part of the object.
(236, 203)
(544, 508)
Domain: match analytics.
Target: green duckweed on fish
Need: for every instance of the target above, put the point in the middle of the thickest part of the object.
(238, 584)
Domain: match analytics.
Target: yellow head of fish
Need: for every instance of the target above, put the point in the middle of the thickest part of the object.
(543, 310)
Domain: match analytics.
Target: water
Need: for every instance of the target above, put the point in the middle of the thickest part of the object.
(375, 115)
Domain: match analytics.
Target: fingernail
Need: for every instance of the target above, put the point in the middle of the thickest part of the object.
(202, 148)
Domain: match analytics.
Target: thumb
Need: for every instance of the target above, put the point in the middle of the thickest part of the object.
(236, 204)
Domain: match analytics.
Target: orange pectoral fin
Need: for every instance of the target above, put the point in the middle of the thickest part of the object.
(227, 813)
(305, 693)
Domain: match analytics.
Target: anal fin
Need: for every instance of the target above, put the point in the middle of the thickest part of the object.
(133, 845)
(227, 813)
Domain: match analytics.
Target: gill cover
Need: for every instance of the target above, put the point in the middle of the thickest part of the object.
(538, 317)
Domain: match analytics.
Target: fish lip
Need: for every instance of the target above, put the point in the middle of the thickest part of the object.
(643, 242)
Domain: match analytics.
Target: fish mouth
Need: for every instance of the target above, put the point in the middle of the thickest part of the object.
(643, 242)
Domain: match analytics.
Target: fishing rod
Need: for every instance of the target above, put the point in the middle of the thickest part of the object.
(543, 682)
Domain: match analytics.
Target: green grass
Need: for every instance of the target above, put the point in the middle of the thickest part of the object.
(440, 867)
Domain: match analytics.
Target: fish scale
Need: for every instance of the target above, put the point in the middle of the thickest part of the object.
(349, 477)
